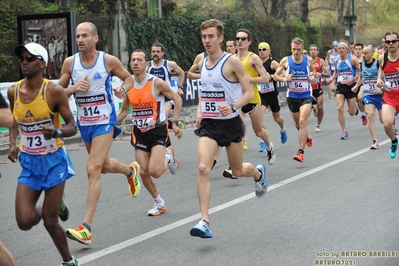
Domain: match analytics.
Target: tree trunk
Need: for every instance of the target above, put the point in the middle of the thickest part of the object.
(305, 11)
(278, 9)
(117, 37)
(64, 5)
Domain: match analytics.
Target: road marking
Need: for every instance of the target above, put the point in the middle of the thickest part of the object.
(195, 217)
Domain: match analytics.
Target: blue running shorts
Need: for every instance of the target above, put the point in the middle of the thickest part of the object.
(42, 172)
(87, 133)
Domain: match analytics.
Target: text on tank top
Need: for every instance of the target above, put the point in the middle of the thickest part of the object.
(318, 80)
(369, 77)
(391, 74)
(216, 90)
(147, 107)
(96, 106)
(271, 86)
(300, 75)
(30, 117)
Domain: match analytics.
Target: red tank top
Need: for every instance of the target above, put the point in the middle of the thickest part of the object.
(318, 69)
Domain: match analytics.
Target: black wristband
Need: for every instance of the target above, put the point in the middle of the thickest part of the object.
(180, 87)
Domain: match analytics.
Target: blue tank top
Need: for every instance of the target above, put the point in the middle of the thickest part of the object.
(345, 70)
(369, 75)
(299, 86)
(161, 72)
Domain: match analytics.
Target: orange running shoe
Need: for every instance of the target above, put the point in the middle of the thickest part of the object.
(309, 141)
(300, 157)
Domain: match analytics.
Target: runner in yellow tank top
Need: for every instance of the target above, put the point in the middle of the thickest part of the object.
(257, 74)
(253, 73)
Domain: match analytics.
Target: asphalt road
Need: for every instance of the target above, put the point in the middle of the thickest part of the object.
(339, 206)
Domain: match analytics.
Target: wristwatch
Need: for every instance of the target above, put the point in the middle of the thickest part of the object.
(57, 133)
(233, 107)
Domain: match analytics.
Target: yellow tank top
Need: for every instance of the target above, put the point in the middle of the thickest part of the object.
(30, 117)
(252, 73)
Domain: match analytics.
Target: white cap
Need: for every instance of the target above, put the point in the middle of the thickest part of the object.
(34, 49)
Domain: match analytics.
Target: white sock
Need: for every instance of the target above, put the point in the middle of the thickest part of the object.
(71, 261)
(168, 156)
(282, 130)
(159, 199)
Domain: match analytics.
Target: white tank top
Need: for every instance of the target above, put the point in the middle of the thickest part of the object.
(96, 106)
(217, 90)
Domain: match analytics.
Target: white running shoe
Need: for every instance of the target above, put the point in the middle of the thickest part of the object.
(174, 163)
(157, 209)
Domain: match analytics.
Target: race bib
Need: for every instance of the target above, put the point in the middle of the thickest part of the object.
(92, 109)
(299, 84)
(210, 102)
(265, 88)
(32, 138)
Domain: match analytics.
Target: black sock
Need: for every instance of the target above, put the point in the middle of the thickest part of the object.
(395, 140)
(301, 151)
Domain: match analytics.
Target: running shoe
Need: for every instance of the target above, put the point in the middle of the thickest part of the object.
(344, 135)
(180, 125)
(315, 110)
(364, 120)
(317, 129)
(393, 151)
(262, 146)
(309, 141)
(80, 234)
(157, 209)
(283, 136)
(201, 230)
(271, 156)
(228, 173)
(134, 181)
(357, 111)
(71, 264)
(63, 212)
(261, 185)
(300, 157)
(245, 145)
(375, 145)
(174, 164)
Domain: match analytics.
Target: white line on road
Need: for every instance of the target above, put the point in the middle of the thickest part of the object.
(169, 227)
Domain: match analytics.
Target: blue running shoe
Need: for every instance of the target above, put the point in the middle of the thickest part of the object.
(201, 230)
(393, 151)
(261, 185)
(283, 136)
(262, 146)
(344, 135)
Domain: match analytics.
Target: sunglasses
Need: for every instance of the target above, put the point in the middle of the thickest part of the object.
(262, 49)
(29, 58)
(241, 38)
(390, 41)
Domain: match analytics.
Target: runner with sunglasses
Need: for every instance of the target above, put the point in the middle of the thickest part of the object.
(268, 91)
(37, 105)
(388, 80)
